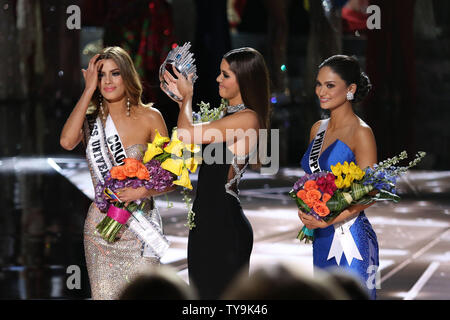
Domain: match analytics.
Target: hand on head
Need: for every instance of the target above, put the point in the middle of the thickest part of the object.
(91, 74)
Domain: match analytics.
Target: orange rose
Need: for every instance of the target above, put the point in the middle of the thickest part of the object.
(321, 209)
(326, 197)
(142, 173)
(313, 195)
(131, 167)
(310, 185)
(302, 195)
(117, 173)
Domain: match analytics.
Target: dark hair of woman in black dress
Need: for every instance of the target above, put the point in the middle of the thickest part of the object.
(253, 78)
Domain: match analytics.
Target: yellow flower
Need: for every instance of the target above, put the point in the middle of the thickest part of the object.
(184, 180)
(173, 165)
(356, 171)
(152, 151)
(159, 140)
(337, 169)
(339, 182)
(193, 148)
(191, 164)
(175, 146)
(345, 168)
(348, 180)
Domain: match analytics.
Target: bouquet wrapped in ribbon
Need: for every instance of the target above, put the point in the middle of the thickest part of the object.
(324, 195)
(162, 164)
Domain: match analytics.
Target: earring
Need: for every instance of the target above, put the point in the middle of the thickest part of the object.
(350, 96)
(128, 107)
(100, 98)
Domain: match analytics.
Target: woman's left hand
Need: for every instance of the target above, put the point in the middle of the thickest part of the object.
(129, 194)
(310, 222)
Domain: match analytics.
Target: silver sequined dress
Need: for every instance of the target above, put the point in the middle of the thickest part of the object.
(112, 266)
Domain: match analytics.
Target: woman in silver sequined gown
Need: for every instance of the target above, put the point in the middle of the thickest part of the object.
(113, 88)
(220, 245)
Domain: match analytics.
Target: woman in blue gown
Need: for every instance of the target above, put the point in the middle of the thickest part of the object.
(348, 240)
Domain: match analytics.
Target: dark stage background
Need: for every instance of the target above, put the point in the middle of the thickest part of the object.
(41, 221)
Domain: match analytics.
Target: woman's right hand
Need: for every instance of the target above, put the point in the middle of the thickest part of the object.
(310, 222)
(180, 86)
(91, 74)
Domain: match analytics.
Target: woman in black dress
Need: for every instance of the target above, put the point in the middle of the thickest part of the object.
(221, 243)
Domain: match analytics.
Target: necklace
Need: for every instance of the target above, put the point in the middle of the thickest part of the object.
(236, 108)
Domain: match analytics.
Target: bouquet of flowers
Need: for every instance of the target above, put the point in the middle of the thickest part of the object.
(324, 195)
(179, 159)
(132, 174)
(162, 164)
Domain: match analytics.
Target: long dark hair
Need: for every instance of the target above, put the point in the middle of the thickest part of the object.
(253, 79)
(349, 70)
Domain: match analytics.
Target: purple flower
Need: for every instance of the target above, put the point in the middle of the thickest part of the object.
(160, 180)
(313, 176)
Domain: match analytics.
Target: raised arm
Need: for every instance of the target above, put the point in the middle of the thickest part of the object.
(208, 132)
(71, 134)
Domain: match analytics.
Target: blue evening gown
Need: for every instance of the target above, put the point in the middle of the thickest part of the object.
(362, 231)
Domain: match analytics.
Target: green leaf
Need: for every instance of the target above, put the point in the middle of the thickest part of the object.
(386, 195)
(337, 202)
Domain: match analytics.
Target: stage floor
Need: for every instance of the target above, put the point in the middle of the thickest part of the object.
(413, 235)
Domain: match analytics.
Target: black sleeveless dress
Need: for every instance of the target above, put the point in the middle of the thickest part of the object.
(220, 245)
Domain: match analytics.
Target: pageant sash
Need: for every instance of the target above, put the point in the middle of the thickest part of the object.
(114, 142)
(96, 149)
(314, 165)
(101, 140)
(149, 231)
(343, 241)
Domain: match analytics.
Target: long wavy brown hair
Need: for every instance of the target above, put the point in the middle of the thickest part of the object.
(131, 80)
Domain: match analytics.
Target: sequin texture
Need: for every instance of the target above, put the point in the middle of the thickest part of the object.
(112, 266)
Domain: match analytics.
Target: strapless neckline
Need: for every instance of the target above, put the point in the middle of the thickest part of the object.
(336, 152)
(335, 142)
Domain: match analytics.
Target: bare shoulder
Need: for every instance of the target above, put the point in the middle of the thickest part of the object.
(151, 118)
(363, 133)
(247, 116)
(149, 112)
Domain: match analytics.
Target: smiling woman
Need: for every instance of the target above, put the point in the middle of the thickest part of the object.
(343, 137)
(117, 126)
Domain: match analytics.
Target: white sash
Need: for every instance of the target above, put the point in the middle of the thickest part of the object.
(317, 147)
(343, 241)
(96, 149)
(148, 231)
(114, 142)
